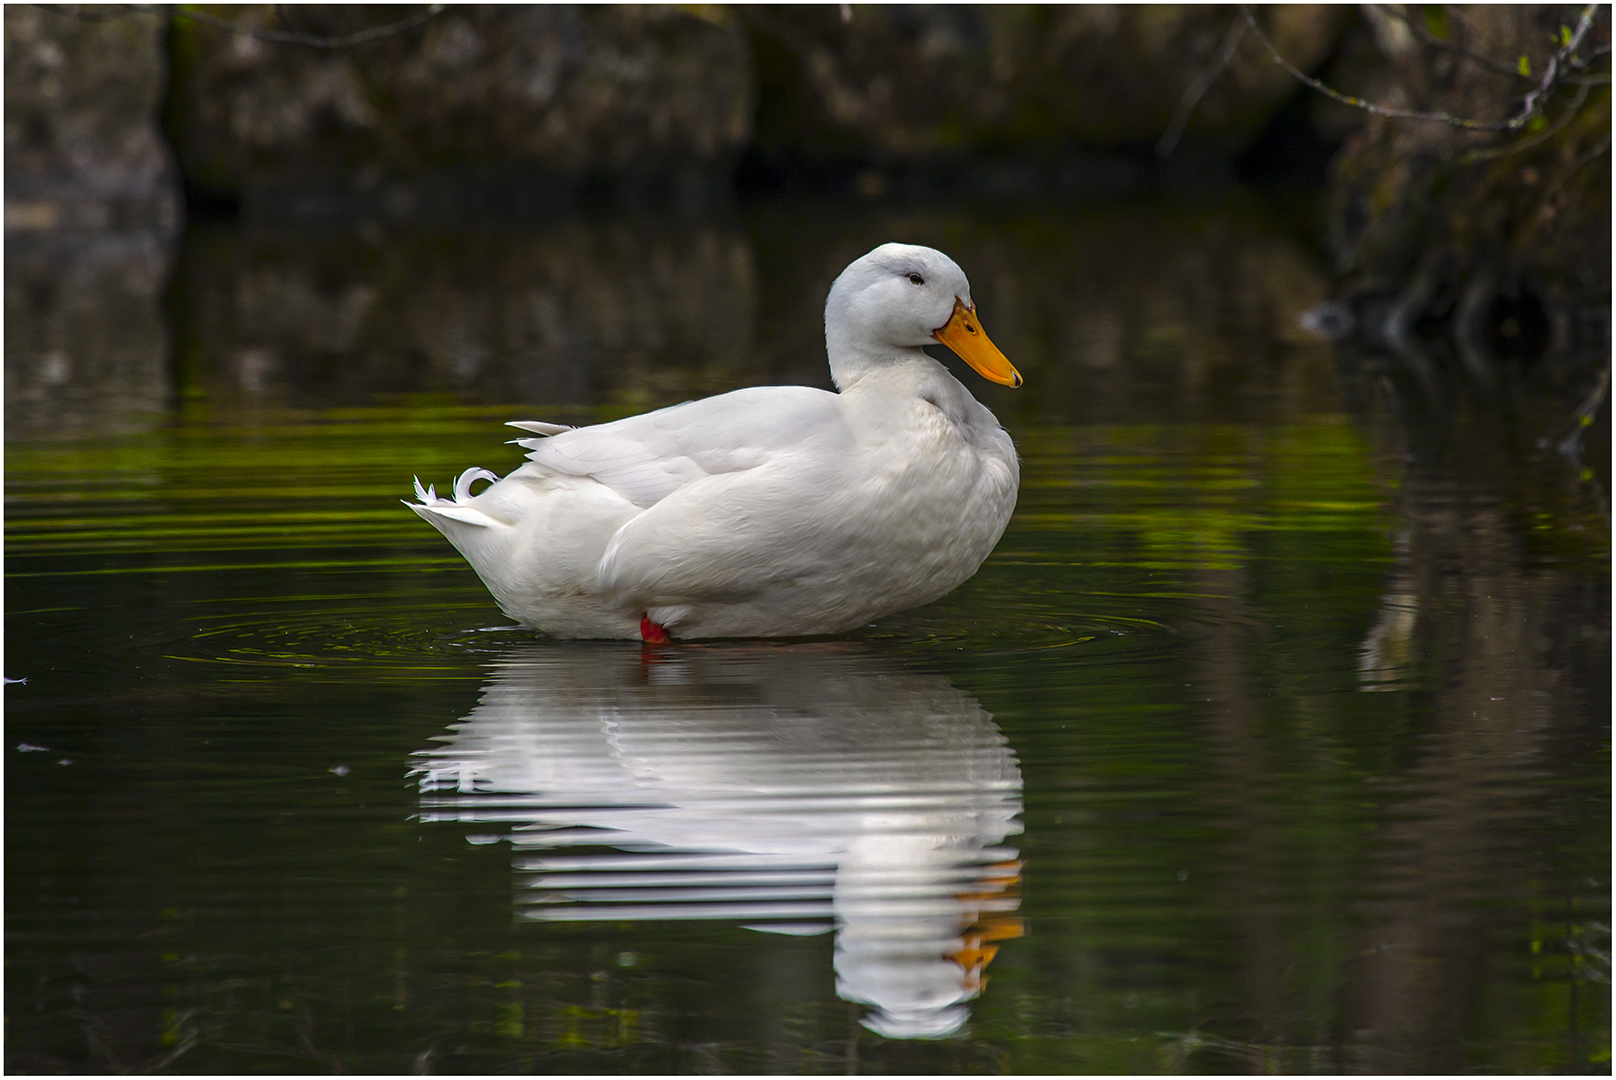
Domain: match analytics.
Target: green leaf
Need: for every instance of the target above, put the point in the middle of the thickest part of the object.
(1565, 35)
(1524, 66)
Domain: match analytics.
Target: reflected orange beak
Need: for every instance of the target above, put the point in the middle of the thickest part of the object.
(964, 334)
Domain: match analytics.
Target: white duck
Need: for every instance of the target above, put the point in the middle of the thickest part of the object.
(772, 511)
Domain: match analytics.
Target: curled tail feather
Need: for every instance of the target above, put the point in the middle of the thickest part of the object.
(453, 509)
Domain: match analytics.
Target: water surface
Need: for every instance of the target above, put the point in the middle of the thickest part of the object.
(1273, 737)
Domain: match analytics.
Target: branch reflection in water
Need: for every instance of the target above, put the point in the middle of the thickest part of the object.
(792, 789)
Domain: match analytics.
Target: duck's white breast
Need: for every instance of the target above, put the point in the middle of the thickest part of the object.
(896, 512)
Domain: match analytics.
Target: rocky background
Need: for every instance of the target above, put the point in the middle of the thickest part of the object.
(1494, 244)
(83, 149)
(478, 104)
(899, 85)
(93, 203)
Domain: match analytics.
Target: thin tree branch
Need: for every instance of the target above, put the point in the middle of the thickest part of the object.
(1197, 89)
(281, 37)
(1360, 103)
(1425, 35)
(345, 41)
(1571, 445)
(1531, 104)
(1599, 148)
(1582, 63)
(75, 11)
(1533, 140)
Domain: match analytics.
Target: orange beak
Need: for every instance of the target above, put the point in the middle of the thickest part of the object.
(963, 333)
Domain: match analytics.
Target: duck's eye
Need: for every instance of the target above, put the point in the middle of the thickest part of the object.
(916, 279)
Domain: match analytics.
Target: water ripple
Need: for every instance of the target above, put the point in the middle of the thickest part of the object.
(790, 789)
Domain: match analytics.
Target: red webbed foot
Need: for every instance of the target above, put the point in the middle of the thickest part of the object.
(653, 633)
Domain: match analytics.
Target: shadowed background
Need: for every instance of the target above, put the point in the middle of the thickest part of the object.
(1292, 668)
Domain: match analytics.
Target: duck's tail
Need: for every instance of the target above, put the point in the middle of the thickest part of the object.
(433, 508)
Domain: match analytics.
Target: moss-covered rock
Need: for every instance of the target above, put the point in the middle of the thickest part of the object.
(901, 82)
(505, 97)
(92, 204)
(83, 148)
(1503, 237)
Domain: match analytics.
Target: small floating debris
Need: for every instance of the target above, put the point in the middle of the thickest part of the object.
(9, 680)
(340, 770)
(30, 748)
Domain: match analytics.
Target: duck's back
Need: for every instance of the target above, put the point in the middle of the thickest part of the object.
(648, 457)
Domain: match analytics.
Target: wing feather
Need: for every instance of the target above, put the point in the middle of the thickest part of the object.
(539, 427)
(646, 458)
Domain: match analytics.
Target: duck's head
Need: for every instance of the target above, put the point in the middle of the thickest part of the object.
(897, 299)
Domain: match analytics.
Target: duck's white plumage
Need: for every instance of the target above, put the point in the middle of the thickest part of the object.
(768, 512)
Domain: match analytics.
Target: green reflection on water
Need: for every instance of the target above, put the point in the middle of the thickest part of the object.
(1168, 636)
(1313, 747)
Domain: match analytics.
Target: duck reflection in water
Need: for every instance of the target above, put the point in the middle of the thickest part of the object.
(792, 789)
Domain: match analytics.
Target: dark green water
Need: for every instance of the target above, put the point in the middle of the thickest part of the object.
(1275, 736)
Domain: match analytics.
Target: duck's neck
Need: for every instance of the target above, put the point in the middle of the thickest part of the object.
(850, 361)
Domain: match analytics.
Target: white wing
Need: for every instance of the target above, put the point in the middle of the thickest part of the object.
(647, 458)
